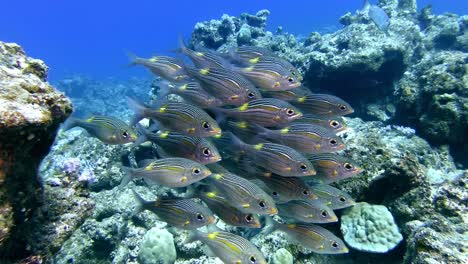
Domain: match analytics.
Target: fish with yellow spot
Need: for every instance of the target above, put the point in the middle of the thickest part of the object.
(323, 105)
(166, 67)
(334, 124)
(285, 189)
(191, 92)
(288, 95)
(241, 193)
(169, 172)
(109, 130)
(332, 197)
(178, 117)
(228, 213)
(271, 73)
(268, 112)
(198, 149)
(305, 138)
(203, 57)
(313, 237)
(178, 212)
(230, 248)
(332, 168)
(230, 87)
(275, 158)
(244, 54)
(312, 211)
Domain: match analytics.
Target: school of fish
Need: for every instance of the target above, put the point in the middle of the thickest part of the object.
(247, 142)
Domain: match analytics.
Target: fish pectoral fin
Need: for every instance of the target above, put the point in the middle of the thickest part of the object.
(184, 179)
(187, 223)
(246, 205)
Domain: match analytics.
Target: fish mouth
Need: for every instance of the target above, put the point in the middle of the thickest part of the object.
(273, 211)
(345, 250)
(216, 132)
(257, 225)
(358, 170)
(311, 172)
(211, 219)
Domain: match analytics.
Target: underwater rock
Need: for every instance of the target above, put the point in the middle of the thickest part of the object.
(30, 113)
(406, 175)
(157, 247)
(282, 256)
(370, 228)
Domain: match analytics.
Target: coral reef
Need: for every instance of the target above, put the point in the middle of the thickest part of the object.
(370, 228)
(414, 76)
(30, 113)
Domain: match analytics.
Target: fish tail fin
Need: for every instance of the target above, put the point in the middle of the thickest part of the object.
(219, 115)
(143, 135)
(70, 123)
(141, 203)
(133, 58)
(139, 109)
(165, 88)
(270, 225)
(365, 5)
(231, 140)
(192, 236)
(128, 176)
(259, 130)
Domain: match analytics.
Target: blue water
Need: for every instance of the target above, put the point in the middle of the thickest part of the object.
(91, 37)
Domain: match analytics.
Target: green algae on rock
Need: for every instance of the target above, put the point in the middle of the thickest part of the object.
(30, 113)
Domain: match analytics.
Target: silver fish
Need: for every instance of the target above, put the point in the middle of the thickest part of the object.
(178, 212)
(168, 68)
(169, 172)
(183, 118)
(229, 248)
(323, 105)
(332, 168)
(109, 130)
(332, 197)
(313, 211)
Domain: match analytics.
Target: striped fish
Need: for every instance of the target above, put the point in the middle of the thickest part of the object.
(307, 212)
(168, 68)
(323, 105)
(288, 95)
(266, 112)
(230, 248)
(109, 130)
(274, 60)
(228, 213)
(169, 172)
(332, 197)
(183, 118)
(335, 124)
(332, 168)
(192, 92)
(177, 212)
(229, 86)
(198, 149)
(313, 237)
(275, 158)
(268, 74)
(306, 138)
(203, 57)
(246, 53)
(285, 189)
(242, 194)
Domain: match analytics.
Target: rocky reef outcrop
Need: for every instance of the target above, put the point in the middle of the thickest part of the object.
(416, 75)
(30, 113)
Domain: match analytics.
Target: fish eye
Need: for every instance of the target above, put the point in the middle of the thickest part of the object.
(334, 123)
(343, 107)
(262, 204)
(290, 80)
(274, 193)
(290, 112)
(333, 142)
(206, 152)
(348, 166)
(251, 95)
(200, 216)
(253, 259)
(303, 167)
(125, 134)
(205, 125)
(324, 213)
(305, 192)
(196, 171)
(334, 244)
(248, 218)
(342, 199)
